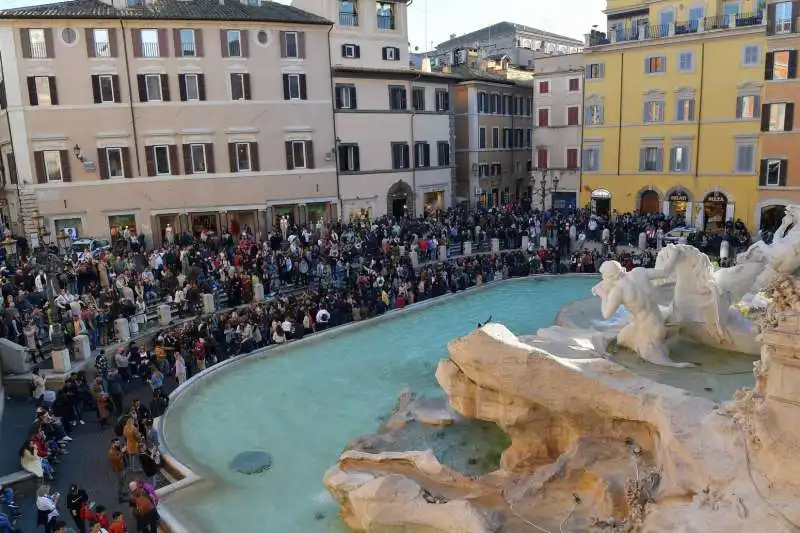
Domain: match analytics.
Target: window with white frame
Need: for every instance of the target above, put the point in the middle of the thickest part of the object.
(238, 86)
(748, 106)
(482, 137)
(751, 55)
(591, 159)
(299, 154)
(495, 137)
(650, 159)
(106, 84)
(594, 115)
(234, 40)
(161, 160)
(294, 86)
(153, 85)
(684, 111)
(102, 42)
(345, 96)
(197, 153)
(52, 165)
(653, 111)
(38, 43)
(243, 159)
(777, 117)
(150, 47)
(187, 43)
(349, 51)
(745, 157)
(774, 171)
(192, 82)
(391, 53)
(595, 71)
(291, 44)
(43, 89)
(783, 17)
(686, 62)
(116, 166)
(349, 158)
(655, 64)
(679, 158)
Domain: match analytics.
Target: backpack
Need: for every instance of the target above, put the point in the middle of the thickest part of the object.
(150, 491)
(142, 504)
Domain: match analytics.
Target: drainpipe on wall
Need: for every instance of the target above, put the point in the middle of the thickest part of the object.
(339, 202)
(621, 100)
(583, 126)
(20, 219)
(130, 97)
(413, 146)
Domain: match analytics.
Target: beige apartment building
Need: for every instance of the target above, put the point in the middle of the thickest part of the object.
(202, 114)
(393, 125)
(493, 125)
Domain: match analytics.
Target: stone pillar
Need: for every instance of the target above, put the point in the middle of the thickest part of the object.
(270, 218)
(665, 207)
(689, 212)
(164, 315)
(542, 242)
(261, 223)
(642, 241)
(442, 252)
(467, 247)
(123, 330)
(414, 258)
(82, 347)
(724, 249)
(495, 245)
(258, 292)
(208, 303)
(729, 209)
(525, 241)
(61, 362)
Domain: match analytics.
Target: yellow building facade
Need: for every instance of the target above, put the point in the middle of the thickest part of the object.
(672, 108)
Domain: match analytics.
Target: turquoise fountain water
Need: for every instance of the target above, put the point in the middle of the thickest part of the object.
(304, 405)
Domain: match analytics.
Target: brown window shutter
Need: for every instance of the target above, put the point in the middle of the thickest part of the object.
(165, 87)
(38, 164)
(126, 162)
(53, 90)
(187, 159)
(12, 167)
(771, 19)
(141, 81)
(309, 154)
(3, 95)
(795, 16)
(163, 42)
(96, 89)
(232, 157)
(150, 158)
(90, 42)
(25, 42)
(201, 87)
(289, 156)
(210, 165)
(182, 87)
(115, 86)
(174, 164)
(112, 42)
(301, 44)
(198, 42)
(223, 41)
(286, 94)
(48, 43)
(255, 165)
(176, 42)
(282, 37)
(33, 96)
(247, 94)
(66, 171)
(303, 88)
(102, 163)
(136, 40)
(244, 36)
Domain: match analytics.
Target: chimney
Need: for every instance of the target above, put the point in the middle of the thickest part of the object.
(426, 64)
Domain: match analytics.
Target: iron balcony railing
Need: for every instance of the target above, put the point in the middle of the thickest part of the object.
(188, 49)
(38, 50)
(646, 32)
(150, 50)
(386, 22)
(102, 49)
(348, 19)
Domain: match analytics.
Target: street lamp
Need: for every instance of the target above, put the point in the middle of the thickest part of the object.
(478, 192)
(543, 188)
(62, 240)
(10, 247)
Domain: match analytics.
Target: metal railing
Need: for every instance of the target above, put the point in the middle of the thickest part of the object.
(348, 19)
(150, 50)
(102, 49)
(39, 50)
(188, 49)
(646, 32)
(385, 22)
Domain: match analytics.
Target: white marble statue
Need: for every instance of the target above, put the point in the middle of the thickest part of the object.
(284, 225)
(645, 332)
(168, 234)
(782, 256)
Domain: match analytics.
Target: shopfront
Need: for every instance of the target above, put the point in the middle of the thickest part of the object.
(601, 202)
(315, 212)
(564, 201)
(282, 211)
(240, 221)
(117, 224)
(71, 226)
(433, 201)
(200, 222)
(715, 209)
(679, 204)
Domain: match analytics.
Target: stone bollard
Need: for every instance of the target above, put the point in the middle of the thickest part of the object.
(724, 250)
(467, 248)
(208, 303)
(442, 252)
(133, 325)
(122, 329)
(61, 362)
(642, 241)
(495, 245)
(414, 259)
(525, 241)
(402, 250)
(542, 242)
(258, 292)
(82, 347)
(164, 315)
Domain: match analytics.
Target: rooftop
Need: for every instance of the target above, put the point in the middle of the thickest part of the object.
(222, 10)
(503, 28)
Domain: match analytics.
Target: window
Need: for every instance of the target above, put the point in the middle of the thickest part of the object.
(105, 85)
(397, 98)
(595, 71)
(442, 100)
(783, 17)
(506, 104)
(422, 155)
(495, 137)
(149, 42)
(299, 154)
(187, 43)
(748, 106)
(291, 44)
(544, 87)
(529, 106)
(745, 157)
(162, 163)
(391, 53)
(234, 40)
(198, 161)
(191, 85)
(418, 98)
(114, 160)
(781, 65)
(529, 138)
(400, 156)
(519, 137)
(52, 165)
(102, 42)
(650, 159)
(351, 51)
(751, 54)
(494, 103)
(572, 158)
(294, 87)
(495, 169)
(773, 173)
(543, 115)
(346, 97)
(153, 86)
(242, 157)
(679, 158)
(385, 15)
(573, 115)
(38, 43)
(348, 16)
(69, 36)
(349, 158)
(655, 64)
(542, 158)
(507, 140)
(686, 62)
(778, 117)
(594, 115)
(262, 37)
(591, 159)
(42, 90)
(482, 137)
(443, 153)
(240, 86)
(653, 112)
(574, 85)
(685, 110)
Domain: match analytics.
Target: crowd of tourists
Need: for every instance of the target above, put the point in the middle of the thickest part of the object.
(279, 288)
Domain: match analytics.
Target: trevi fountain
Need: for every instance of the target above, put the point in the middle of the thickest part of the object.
(664, 400)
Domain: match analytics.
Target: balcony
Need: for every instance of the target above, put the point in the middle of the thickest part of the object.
(386, 22)
(649, 32)
(150, 50)
(38, 50)
(102, 49)
(188, 49)
(348, 19)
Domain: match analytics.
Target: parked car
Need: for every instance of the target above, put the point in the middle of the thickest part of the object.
(674, 236)
(95, 246)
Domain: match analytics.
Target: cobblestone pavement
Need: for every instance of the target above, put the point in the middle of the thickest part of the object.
(86, 465)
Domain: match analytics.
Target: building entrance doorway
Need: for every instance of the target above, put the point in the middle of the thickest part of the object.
(399, 207)
(649, 202)
(715, 207)
(400, 200)
(601, 202)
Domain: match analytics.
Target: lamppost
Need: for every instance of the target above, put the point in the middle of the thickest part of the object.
(10, 247)
(476, 185)
(543, 189)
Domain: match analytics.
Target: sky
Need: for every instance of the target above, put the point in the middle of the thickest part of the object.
(572, 18)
